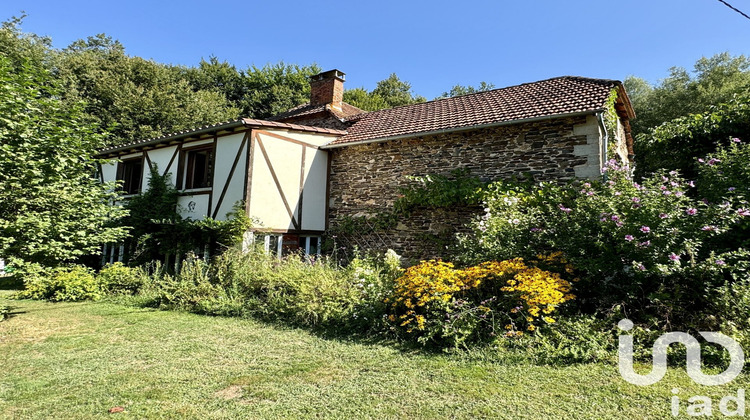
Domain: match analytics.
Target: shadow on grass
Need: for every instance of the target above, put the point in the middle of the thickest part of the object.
(10, 283)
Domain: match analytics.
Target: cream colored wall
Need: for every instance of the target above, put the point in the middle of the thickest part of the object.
(314, 198)
(592, 150)
(160, 158)
(193, 206)
(310, 138)
(266, 204)
(227, 149)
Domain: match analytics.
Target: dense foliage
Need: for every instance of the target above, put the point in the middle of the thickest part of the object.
(646, 247)
(714, 80)
(52, 208)
(156, 228)
(130, 98)
(72, 283)
(388, 93)
(677, 145)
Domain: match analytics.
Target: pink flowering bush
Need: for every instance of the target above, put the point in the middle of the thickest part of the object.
(725, 178)
(641, 245)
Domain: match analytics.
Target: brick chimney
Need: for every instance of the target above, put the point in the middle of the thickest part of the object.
(327, 88)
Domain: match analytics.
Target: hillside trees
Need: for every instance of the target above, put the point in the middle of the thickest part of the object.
(714, 80)
(388, 93)
(52, 208)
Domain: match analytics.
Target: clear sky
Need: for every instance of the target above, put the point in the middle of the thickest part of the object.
(432, 44)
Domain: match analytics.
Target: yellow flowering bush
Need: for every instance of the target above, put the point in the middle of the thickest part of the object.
(435, 301)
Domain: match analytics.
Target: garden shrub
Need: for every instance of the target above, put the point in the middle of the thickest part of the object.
(435, 302)
(290, 289)
(69, 283)
(640, 245)
(119, 279)
(573, 339)
(724, 176)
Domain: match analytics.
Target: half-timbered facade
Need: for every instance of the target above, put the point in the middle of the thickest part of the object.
(277, 171)
(326, 160)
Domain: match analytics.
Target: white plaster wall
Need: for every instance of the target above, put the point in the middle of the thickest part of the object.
(226, 152)
(311, 138)
(592, 150)
(160, 158)
(266, 203)
(193, 206)
(109, 171)
(314, 197)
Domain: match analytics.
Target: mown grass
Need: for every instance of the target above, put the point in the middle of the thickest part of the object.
(78, 360)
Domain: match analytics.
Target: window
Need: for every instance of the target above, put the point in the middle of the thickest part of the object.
(270, 243)
(130, 173)
(310, 244)
(199, 168)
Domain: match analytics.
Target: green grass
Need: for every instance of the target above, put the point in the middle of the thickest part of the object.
(78, 360)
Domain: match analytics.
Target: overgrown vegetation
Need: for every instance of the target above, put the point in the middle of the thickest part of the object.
(52, 210)
(157, 230)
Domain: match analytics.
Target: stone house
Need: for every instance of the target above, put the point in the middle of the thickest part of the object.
(302, 172)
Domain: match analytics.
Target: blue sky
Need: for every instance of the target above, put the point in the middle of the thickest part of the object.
(432, 44)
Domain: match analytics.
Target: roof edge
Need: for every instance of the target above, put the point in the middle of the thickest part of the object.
(331, 145)
(230, 125)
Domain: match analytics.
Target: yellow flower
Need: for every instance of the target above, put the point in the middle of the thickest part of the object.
(531, 328)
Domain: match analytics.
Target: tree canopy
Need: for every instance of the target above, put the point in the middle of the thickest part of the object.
(52, 208)
(713, 81)
(388, 93)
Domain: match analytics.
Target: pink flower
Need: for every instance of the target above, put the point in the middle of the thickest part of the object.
(720, 262)
(663, 215)
(743, 212)
(692, 184)
(636, 200)
(674, 257)
(618, 223)
(563, 208)
(629, 238)
(691, 211)
(645, 229)
(645, 244)
(708, 228)
(615, 217)
(713, 161)
(641, 267)
(736, 140)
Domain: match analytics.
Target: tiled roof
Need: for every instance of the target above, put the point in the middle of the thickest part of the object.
(227, 125)
(546, 98)
(347, 111)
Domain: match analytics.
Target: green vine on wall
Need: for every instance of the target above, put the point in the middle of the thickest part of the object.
(610, 123)
(459, 189)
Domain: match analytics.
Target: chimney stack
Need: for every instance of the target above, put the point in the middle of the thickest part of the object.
(327, 88)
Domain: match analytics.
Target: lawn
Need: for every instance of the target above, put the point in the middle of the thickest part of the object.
(78, 360)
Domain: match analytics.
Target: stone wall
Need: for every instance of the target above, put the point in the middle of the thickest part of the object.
(365, 179)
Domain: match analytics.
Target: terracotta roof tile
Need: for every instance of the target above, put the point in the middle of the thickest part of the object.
(558, 96)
